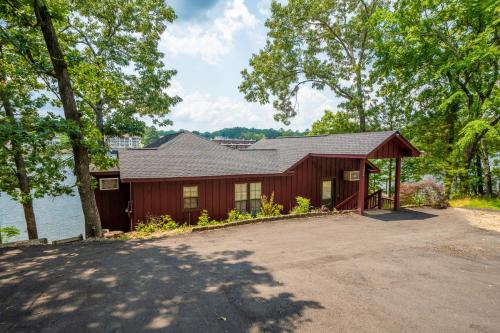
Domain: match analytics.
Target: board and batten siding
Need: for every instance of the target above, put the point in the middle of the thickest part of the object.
(217, 195)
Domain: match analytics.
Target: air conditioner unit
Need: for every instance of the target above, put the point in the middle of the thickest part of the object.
(351, 175)
(107, 184)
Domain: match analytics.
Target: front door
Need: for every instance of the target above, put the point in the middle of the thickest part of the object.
(327, 192)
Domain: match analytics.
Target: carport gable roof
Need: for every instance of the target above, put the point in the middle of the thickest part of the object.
(186, 155)
(292, 150)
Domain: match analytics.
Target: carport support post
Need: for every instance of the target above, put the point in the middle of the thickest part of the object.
(397, 183)
(362, 185)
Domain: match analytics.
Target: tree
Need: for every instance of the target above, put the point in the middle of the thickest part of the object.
(150, 135)
(333, 123)
(31, 163)
(120, 74)
(327, 44)
(445, 55)
(73, 116)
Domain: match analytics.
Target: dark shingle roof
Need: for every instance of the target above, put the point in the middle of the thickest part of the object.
(293, 149)
(188, 155)
(162, 140)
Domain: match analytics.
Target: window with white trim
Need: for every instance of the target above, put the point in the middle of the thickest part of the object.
(108, 184)
(240, 197)
(326, 192)
(190, 196)
(255, 194)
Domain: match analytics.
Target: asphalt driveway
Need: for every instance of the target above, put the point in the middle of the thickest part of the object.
(422, 270)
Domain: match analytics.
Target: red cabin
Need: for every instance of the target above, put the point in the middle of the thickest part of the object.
(182, 174)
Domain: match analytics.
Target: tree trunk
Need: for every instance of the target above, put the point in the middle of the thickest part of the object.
(359, 101)
(21, 174)
(479, 174)
(80, 152)
(451, 117)
(99, 119)
(486, 168)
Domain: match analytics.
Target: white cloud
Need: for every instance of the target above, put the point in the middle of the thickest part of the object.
(205, 112)
(210, 39)
(264, 7)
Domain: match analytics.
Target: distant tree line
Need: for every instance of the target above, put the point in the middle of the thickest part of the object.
(151, 133)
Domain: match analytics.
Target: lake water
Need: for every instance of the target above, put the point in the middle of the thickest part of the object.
(57, 218)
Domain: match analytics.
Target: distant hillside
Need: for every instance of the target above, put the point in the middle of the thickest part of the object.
(152, 133)
(249, 133)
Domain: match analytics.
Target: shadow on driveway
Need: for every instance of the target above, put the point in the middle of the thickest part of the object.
(399, 215)
(134, 286)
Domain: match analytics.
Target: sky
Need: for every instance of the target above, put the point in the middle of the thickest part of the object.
(209, 44)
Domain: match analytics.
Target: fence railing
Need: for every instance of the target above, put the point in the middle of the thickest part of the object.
(374, 200)
(349, 204)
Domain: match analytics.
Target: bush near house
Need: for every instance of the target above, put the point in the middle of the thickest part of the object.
(156, 223)
(423, 193)
(235, 215)
(303, 205)
(204, 219)
(268, 207)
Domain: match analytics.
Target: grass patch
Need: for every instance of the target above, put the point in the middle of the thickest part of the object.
(488, 203)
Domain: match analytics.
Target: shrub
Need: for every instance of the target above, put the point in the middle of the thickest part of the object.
(156, 223)
(204, 219)
(168, 223)
(8, 232)
(426, 192)
(268, 207)
(235, 215)
(303, 206)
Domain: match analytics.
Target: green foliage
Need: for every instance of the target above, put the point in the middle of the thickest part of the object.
(323, 44)
(150, 135)
(105, 39)
(437, 62)
(483, 203)
(333, 123)
(303, 205)
(204, 219)
(250, 133)
(235, 215)
(27, 135)
(8, 232)
(156, 224)
(268, 207)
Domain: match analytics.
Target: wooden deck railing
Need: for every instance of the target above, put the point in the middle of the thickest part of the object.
(386, 203)
(348, 204)
(374, 200)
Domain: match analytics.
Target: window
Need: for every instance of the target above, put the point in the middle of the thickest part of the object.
(255, 193)
(240, 197)
(190, 195)
(247, 197)
(107, 184)
(326, 192)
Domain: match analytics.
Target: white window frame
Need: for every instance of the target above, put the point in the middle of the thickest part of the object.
(109, 189)
(190, 198)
